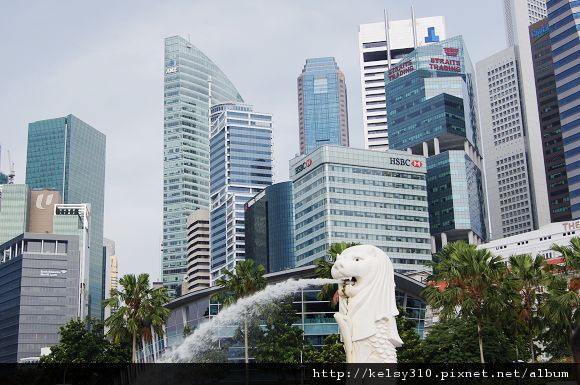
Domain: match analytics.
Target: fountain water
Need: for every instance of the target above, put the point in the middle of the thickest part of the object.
(206, 335)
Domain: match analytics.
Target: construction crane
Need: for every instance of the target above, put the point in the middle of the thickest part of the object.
(11, 172)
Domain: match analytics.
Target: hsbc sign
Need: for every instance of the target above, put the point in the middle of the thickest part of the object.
(406, 162)
(307, 163)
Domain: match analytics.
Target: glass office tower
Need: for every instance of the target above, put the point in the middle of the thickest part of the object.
(68, 155)
(13, 211)
(322, 107)
(269, 230)
(555, 165)
(241, 167)
(563, 17)
(431, 109)
(189, 77)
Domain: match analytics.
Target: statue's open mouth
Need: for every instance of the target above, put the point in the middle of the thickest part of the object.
(349, 281)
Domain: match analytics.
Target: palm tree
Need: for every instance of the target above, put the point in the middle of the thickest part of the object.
(139, 309)
(324, 266)
(571, 255)
(561, 307)
(245, 280)
(529, 277)
(472, 284)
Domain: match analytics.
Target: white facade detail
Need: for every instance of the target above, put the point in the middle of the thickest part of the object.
(537, 242)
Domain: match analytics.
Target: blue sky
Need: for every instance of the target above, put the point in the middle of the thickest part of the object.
(103, 62)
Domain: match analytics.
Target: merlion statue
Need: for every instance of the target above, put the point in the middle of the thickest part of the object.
(367, 306)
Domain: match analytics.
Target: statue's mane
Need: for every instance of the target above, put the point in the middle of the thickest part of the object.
(376, 299)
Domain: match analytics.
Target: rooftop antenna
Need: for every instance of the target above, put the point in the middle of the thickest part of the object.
(387, 41)
(11, 172)
(414, 24)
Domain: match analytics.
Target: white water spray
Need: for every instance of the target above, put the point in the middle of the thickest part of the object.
(205, 335)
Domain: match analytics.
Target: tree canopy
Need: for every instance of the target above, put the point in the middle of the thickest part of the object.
(83, 341)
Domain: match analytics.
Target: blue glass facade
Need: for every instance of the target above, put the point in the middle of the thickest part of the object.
(431, 110)
(269, 228)
(563, 18)
(455, 190)
(189, 76)
(322, 105)
(240, 167)
(68, 155)
(555, 166)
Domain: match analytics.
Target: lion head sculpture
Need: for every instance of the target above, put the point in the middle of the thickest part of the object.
(367, 291)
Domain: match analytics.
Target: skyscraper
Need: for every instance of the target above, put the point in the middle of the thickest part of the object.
(432, 111)
(111, 271)
(519, 14)
(189, 76)
(344, 194)
(241, 167)
(13, 211)
(269, 228)
(565, 40)
(75, 219)
(68, 155)
(374, 54)
(322, 105)
(511, 190)
(40, 281)
(555, 164)
(198, 256)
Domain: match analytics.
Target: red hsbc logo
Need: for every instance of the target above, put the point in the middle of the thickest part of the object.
(406, 162)
(305, 164)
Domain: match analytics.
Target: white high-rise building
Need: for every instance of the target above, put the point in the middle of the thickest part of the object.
(519, 15)
(403, 39)
(510, 190)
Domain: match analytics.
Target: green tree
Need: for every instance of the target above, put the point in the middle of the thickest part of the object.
(470, 287)
(332, 352)
(561, 313)
(280, 342)
(140, 308)
(528, 277)
(571, 255)
(245, 280)
(84, 342)
(407, 329)
(324, 267)
(455, 340)
(561, 307)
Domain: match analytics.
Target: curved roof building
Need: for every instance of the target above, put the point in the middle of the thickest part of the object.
(192, 83)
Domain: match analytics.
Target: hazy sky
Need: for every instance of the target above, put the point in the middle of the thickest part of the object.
(103, 62)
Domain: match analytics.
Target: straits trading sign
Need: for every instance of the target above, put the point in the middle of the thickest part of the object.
(446, 64)
(401, 69)
(450, 62)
